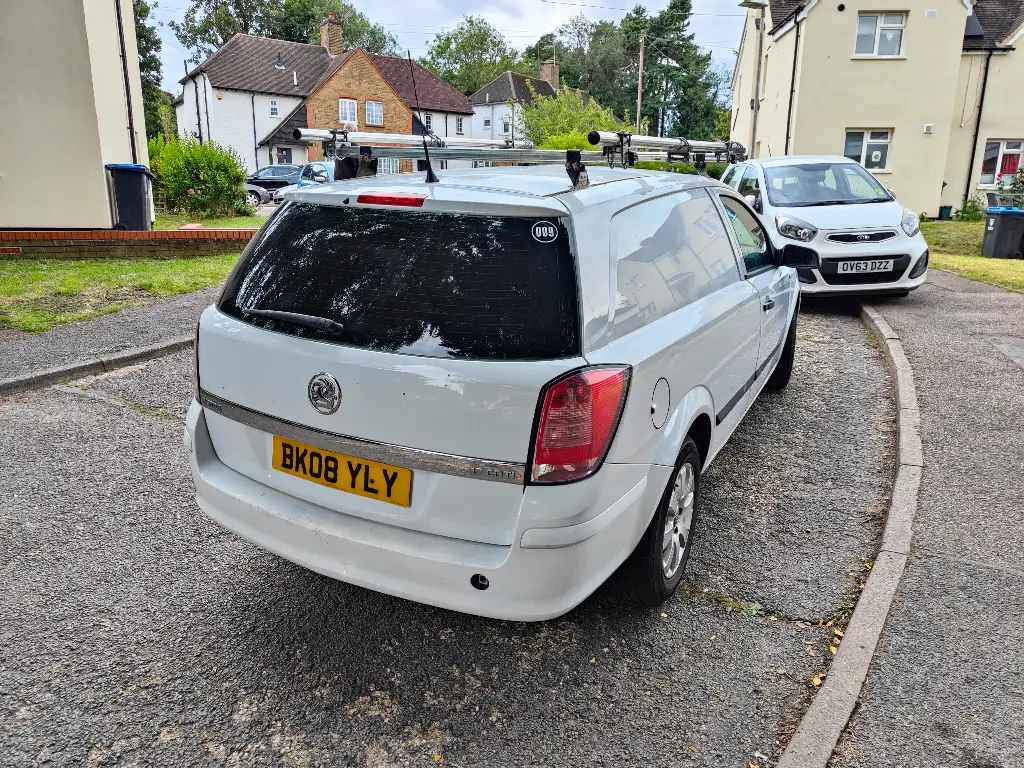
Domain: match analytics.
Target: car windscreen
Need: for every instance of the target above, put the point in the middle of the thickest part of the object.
(803, 185)
(417, 283)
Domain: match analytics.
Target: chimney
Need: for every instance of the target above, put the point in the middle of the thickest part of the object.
(331, 37)
(549, 71)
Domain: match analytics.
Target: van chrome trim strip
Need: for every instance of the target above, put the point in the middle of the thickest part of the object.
(409, 458)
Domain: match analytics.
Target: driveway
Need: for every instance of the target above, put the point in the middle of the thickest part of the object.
(135, 631)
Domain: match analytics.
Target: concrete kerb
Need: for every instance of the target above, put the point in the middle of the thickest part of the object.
(97, 365)
(822, 725)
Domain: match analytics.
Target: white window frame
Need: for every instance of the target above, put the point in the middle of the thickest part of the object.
(866, 133)
(388, 165)
(343, 104)
(458, 125)
(366, 108)
(880, 25)
(274, 109)
(999, 159)
(487, 122)
(428, 122)
(506, 126)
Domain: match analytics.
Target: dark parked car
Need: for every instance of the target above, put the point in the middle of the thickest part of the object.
(275, 176)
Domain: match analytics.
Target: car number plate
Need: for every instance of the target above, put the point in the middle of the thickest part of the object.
(370, 479)
(882, 265)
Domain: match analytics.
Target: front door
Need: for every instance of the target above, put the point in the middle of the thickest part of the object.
(776, 286)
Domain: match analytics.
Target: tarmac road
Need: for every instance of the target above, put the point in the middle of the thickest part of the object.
(134, 631)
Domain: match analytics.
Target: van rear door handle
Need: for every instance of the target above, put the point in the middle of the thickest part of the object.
(769, 304)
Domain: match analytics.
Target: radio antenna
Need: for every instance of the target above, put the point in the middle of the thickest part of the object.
(431, 177)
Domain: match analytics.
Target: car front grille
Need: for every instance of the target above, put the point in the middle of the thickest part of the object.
(830, 271)
(861, 237)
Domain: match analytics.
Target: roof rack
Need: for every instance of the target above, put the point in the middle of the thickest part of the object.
(356, 152)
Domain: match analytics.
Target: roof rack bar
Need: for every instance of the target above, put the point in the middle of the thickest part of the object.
(345, 137)
(458, 153)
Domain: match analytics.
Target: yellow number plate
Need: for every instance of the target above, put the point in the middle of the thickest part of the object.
(344, 473)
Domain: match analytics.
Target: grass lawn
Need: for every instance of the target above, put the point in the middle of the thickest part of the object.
(176, 220)
(37, 294)
(956, 246)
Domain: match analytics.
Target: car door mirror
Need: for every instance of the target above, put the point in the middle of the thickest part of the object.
(754, 201)
(798, 256)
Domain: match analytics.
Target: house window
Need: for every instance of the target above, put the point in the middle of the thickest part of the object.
(284, 155)
(1002, 160)
(880, 34)
(347, 111)
(274, 112)
(375, 113)
(487, 122)
(387, 165)
(458, 125)
(870, 148)
(506, 127)
(428, 121)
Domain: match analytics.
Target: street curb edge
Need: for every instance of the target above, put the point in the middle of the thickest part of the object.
(822, 725)
(97, 365)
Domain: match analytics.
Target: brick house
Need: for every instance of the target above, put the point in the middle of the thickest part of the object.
(254, 92)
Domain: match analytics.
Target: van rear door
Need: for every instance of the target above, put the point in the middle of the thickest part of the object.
(439, 331)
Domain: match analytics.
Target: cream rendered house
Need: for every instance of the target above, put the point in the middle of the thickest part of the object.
(919, 91)
(69, 69)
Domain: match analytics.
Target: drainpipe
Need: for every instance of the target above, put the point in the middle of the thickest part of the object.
(255, 146)
(127, 85)
(977, 126)
(199, 123)
(792, 84)
(206, 106)
(757, 82)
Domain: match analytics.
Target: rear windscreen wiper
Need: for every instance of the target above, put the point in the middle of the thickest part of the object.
(307, 321)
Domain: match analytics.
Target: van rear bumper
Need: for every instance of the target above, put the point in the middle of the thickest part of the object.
(524, 584)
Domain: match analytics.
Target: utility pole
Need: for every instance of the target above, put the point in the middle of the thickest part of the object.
(640, 80)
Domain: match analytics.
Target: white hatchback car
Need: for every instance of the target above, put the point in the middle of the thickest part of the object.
(490, 392)
(867, 241)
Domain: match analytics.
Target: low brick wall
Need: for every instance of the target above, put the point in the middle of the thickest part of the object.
(121, 244)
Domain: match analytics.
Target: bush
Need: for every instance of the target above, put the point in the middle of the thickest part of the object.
(567, 112)
(200, 179)
(973, 209)
(244, 209)
(714, 170)
(567, 141)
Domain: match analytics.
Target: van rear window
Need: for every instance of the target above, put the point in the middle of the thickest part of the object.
(431, 284)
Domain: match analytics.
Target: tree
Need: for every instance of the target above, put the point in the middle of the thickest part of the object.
(471, 55)
(208, 24)
(149, 66)
(567, 112)
(299, 21)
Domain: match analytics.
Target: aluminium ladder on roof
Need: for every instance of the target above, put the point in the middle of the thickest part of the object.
(616, 148)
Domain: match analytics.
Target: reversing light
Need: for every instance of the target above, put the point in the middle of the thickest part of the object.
(577, 421)
(403, 201)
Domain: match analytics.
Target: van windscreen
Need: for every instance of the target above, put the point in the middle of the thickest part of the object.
(417, 283)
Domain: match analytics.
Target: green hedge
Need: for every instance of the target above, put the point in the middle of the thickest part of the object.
(715, 170)
(199, 179)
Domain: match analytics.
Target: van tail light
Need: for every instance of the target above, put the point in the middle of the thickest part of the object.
(578, 418)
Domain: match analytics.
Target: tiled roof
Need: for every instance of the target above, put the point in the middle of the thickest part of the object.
(248, 63)
(783, 11)
(434, 93)
(512, 86)
(998, 19)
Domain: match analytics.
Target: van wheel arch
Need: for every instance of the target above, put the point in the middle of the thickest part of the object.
(700, 433)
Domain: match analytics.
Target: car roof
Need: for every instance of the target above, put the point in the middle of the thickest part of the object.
(772, 162)
(535, 182)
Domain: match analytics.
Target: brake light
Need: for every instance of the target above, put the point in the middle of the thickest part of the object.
(578, 418)
(405, 201)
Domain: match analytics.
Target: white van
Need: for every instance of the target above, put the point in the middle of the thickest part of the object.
(490, 392)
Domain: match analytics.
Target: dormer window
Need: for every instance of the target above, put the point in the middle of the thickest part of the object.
(279, 64)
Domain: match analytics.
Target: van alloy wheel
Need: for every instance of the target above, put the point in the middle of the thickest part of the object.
(678, 521)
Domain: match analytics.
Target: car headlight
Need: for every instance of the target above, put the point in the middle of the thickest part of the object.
(911, 223)
(795, 229)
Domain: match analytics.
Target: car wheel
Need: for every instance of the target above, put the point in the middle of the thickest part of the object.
(653, 572)
(252, 199)
(784, 370)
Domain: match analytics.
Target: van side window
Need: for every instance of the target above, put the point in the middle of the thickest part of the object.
(751, 236)
(668, 253)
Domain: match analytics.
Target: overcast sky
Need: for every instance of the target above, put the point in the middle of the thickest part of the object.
(717, 24)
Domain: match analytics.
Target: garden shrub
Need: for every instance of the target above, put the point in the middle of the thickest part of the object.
(201, 179)
(973, 209)
(714, 170)
(575, 140)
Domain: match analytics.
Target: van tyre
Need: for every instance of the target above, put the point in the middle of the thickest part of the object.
(780, 376)
(653, 572)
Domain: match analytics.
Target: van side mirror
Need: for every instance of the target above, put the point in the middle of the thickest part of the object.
(798, 256)
(754, 201)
